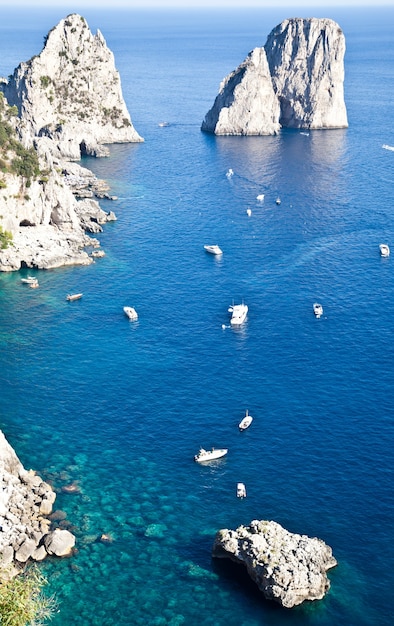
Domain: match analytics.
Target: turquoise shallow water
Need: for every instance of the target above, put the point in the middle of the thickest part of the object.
(120, 409)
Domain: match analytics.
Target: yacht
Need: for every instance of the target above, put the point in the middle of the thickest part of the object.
(241, 490)
(318, 309)
(131, 313)
(238, 314)
(74, 296)
(384, 249)
(246, 421)
(213, 249)
(210, 455)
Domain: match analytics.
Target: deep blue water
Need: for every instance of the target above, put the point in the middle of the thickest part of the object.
(121, 408)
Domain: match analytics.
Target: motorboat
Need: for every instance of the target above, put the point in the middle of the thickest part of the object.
(241, 490)
(278, 200)
(210, 455)
(246, 421)
(74, 296)
(213, 249)
(29, 280)
(384, 249)
(131, 313)
(230, 173)
(238, 314)
(260, 197)
(317, 309)
(164, 124)
(248, 212)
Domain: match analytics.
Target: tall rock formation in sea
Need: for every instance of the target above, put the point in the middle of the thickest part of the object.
(305, 81)
(71, 93)
(68, 102)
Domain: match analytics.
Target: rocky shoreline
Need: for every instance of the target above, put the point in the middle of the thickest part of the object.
(26, 502)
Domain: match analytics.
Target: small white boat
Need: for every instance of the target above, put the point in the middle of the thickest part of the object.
(384, 249)
(30, 280)
(278, 200)
(248, 212)
(238, 314)
(74, 296)
(260, 197)
(230, 173)
(213, 249)
(241, 490)
(131, 313)
(317, 309)
(210, 455)
(164, 124)
(246, 421)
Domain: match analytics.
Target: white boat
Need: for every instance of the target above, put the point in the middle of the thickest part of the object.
(29, 280)
(210, 455)
(278, 200)
(384, 249)
(229, 173)
(131, 313)
(213, 249)
(246, 421)
(241, 490)
(164, 124)
(74, 296)
(248, 212)
(260, 197)
(238, 314)
(318, 309)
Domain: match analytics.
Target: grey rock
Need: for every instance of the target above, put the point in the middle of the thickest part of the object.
(288, 568)
(26, 550)
(59, 542)
(296, 80)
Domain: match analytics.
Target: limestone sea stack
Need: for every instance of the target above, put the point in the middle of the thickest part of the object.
(305, 80)
(65, 102)
(288, 568)
(25, 502)
(71, 93)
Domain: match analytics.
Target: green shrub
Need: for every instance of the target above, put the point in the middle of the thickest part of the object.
(5, 240)
(22, 601)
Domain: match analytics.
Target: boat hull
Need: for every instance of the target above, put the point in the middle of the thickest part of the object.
(205, 456)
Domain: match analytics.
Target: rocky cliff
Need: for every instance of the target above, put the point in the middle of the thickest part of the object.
(25, 502)
(288, 568)
(68, 102)
(71, 94)
(295, 81)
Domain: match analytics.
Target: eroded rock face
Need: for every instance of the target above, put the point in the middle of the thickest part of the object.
(306, 60)
(25, 502)
(71, 93)
(70, 102)
(246, 103)
(288, 568)
(295, 81)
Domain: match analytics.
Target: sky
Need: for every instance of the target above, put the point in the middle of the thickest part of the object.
(75, 5)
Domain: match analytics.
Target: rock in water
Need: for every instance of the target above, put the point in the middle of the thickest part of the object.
(71, 93)
(305, 57)
(295, 81)
(246, 103)
(288, 568)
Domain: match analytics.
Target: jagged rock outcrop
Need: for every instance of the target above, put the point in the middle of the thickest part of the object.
(300, 71)
(288, 568)
(70, 102)
(246, 103)
(25, 502)
(71, 94)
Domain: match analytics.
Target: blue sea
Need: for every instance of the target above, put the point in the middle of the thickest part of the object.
(119, 408)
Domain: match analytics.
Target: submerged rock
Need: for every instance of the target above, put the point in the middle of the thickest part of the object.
(288, 568)
(295, 81)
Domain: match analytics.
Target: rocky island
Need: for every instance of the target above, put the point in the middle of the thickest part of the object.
(295, 81)
(288, 568)
(64, 103)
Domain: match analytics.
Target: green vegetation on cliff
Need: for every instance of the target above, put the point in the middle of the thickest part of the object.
(22, 602)
(14, 158)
